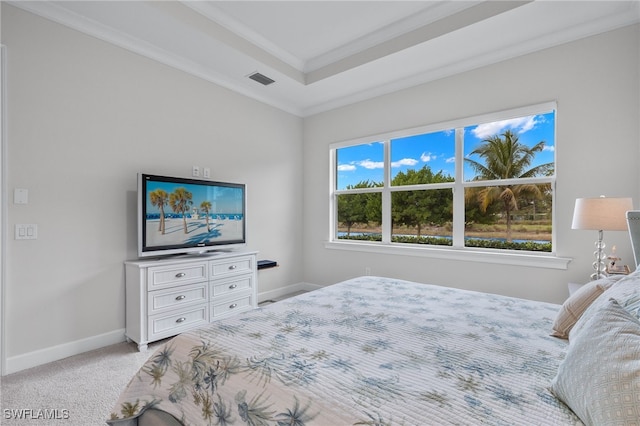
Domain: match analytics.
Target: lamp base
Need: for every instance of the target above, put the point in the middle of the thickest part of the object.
(599, 265)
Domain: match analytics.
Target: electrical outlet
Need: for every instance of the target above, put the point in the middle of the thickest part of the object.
(196, 171)
(367, 270)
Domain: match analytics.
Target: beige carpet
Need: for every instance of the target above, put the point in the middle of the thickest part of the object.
(80, 390)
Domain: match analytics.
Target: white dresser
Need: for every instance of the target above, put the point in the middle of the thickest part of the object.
(168, 296)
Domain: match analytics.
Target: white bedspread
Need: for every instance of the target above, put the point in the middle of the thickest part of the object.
(367, 351)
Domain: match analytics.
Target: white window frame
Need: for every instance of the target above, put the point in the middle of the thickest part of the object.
(457, 251)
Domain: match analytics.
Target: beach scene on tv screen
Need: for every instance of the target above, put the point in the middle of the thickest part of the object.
(188, 214)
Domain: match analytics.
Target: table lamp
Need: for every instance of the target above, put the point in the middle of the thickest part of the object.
(601, 214)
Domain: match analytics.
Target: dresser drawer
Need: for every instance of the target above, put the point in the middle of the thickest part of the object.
(228, 267)
(168, 276)
(230, 286)
(232, 306)
(176, 297)
(172, 323)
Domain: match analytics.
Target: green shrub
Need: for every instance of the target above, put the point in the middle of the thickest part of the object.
(440, 241)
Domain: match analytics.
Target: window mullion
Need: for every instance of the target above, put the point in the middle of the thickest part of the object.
(513, 181)
(386, 194)
(458, 192)
(333, 199)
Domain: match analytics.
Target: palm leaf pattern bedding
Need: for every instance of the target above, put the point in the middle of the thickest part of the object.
(367, 351)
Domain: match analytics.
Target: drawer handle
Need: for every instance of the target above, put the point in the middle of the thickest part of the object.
(181, 297)
(233, 305)
(232, 286)
(181, 319)
(180, 274)
(232, 267)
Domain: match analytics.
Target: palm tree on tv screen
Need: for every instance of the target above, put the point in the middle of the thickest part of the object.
(159, 198)
(180, 202)
(506, 158)
(206, 208)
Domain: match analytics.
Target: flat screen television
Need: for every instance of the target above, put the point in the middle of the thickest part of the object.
(182, 216)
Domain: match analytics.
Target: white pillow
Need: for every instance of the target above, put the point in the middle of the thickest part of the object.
(622, 290)
(599, 379)
(577, 303)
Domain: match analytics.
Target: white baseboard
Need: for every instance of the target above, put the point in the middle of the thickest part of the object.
(283, 291)
(54, 353)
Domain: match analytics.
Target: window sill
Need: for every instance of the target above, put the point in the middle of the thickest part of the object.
(538, 260)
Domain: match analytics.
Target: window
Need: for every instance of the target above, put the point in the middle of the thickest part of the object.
(483, 182)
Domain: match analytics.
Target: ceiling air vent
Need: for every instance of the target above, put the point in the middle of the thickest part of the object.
(262, 79)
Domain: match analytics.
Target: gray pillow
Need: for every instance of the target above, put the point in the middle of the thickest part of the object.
(632, 305)
(599, 379)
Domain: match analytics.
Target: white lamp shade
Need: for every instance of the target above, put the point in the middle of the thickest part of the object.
(602, 213)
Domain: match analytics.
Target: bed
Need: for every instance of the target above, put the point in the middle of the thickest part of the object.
(371, 351)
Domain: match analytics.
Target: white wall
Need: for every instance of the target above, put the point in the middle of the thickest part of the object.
(595, 83)
(2, 171)
(84, 118)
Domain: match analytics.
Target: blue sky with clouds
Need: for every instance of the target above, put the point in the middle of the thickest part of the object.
(437, 150)
(224, 200)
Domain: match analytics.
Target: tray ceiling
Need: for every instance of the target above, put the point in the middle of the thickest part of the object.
(327, 54)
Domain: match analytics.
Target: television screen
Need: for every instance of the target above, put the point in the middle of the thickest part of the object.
(180, 215)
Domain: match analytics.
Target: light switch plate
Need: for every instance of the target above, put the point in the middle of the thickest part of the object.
(20, 196)
(26, 231)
